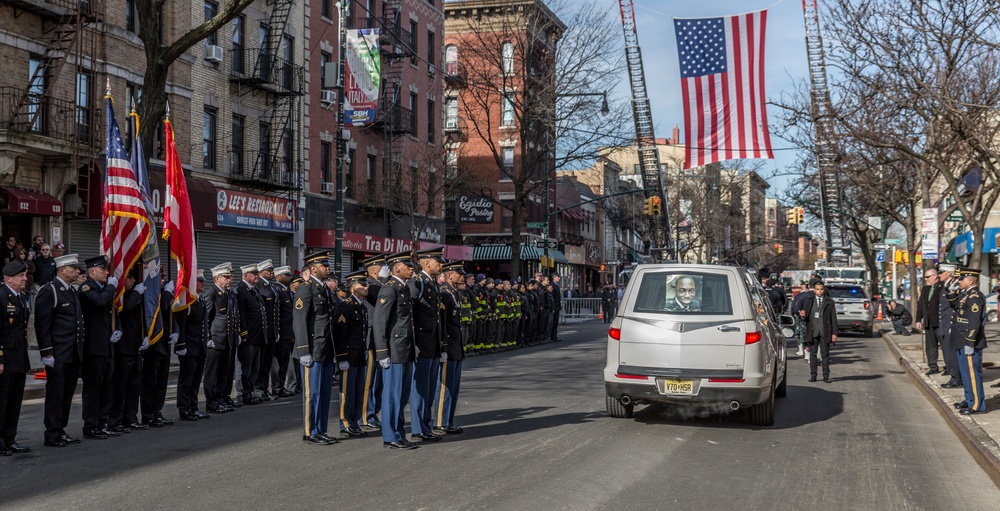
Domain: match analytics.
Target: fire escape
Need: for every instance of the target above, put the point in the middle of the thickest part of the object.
(70, 127)
(270, 72)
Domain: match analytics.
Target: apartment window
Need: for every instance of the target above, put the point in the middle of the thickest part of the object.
(238, 144)
(288, 156)
(451, 164)
(211, 9)
(507, 112)
(451, 113)
(507, 58)
(508, 159)
(325, 59)
(431, 115)
(431, 191)
(131, 17)
(349, 175)
(349, 14)
(370, 169)
(413, 42)
(326, 9)
(451, 59)
(84, 88)
(324, 161)
(263, 149)
(370, 11)
(287, 54)
(208, 139)
(430, 48)
(239, 23)
(36, 89)
(413, 114)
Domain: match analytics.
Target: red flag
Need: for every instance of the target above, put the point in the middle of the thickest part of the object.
(179, 225)
(722, 84)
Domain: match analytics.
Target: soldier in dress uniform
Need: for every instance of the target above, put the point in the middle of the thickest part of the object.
(253, 332)
(392, 327)
(314, 345)
(97, 297)
(372, 402)
(946, 313)
(968, 332)
(59, 328)
(427, 337)
(127, 378)
(454, 343)
(350, 337)
(266, 291)
(286, 335)
(14, 364)
(294, 379)
(222, 316)
(190, 349)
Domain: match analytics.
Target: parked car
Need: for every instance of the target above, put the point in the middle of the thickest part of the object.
(991, 307)
(695, 335)
(854, 308)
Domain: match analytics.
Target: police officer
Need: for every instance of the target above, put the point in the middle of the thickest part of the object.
(269, 296)
(14, 364)
(190, 351)
(451, 358)
(314, 345)
(392, 328)
(222, 316)
(253, 332)
(97, 297)
(286, 335)
(127, 378)
(350, 337)
(968, 332)
(427, 336)
(59, 328)
(372, 402)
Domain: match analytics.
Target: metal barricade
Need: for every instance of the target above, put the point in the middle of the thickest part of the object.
(580, 308)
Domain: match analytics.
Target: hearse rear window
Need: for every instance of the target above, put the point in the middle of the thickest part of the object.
(687, 293)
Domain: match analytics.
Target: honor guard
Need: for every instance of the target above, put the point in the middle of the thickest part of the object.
(127, 379)
(453, 354)
(948, 294)
(156, 362)
(59, 328)
(314, 346)
(372, 402)
(294, 379)
(195, 334)
(269, 296)
(392, 328)
(350, 337)
(222, 316)
(968, 332)
(97, 296)
(427, 337)
(286, 335)
(253, 331)
(14, 364)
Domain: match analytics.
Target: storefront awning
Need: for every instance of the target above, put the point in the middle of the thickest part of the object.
(26, 202)
(558, 256)
(503, 252)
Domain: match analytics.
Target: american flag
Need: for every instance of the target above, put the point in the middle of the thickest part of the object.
(125, 219)
(722, 84)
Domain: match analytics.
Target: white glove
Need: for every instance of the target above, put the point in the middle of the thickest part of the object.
(113, 281)
(145, 344)
(444, 357)
(169, 287)
(968, 350)
(384, 272)
(173, 338)
(306, 360)
(343, 366)
(384, 363)
(181, 353)
(211, 344)
(417, 350)
(140, 288)
(49, 361)
(116, 336)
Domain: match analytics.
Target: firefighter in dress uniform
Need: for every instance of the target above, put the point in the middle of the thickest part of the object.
(286, 335)
(190, 350)
(222, 316)
(97, 296)
(266, 289)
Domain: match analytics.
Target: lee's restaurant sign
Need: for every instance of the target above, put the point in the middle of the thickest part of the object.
(475, 210)
(250, 211)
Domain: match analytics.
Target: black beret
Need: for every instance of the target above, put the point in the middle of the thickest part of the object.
(14, 267)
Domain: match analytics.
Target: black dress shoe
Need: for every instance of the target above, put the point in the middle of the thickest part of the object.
(56, 442)
(354, 432)
(951, 385)
(931, 371)
(108, 433)
(812, 378)
(17, 448)
(454, 430)
(427, 437)
(4, 451)
(121, 428)
(152, 423)
(201, 415)
(961, 404)
(314, 439)
(188, 417)
(69, 440)
(329, 439)
(399, 445)
(165, 421)
(285, 393)
(375, 423)
(995, 385)
(138, 425)
(969, 411)
(826, 379)
(216, 409)
(94, 434)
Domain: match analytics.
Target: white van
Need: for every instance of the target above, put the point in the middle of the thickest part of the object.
(688, 334)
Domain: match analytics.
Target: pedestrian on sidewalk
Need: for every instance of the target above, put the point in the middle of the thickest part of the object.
(900, 317)
(928, 318)
(801, 320)
(822, 331)
(968, 330)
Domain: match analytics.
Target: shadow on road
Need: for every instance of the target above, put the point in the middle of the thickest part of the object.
(512, 421)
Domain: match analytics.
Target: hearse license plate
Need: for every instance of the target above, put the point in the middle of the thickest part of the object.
(675, 386)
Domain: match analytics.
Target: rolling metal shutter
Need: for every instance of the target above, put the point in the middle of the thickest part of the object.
(237, 247)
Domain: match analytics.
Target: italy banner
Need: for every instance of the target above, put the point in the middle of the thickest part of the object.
(363, 72)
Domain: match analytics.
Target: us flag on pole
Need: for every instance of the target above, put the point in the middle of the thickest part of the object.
(722, 85)
(125, 219)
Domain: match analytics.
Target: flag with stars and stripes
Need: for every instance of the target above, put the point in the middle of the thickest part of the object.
(722, 87)
(127, 227)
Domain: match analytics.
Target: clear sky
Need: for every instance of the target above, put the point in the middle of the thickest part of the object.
(785, 59)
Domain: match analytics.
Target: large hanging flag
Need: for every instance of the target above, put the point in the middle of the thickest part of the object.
(125, 221)
(151, 254)
(178, 227)
(363, 72)
(722, 84)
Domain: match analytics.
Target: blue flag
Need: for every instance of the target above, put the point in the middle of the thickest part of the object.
(151, 254)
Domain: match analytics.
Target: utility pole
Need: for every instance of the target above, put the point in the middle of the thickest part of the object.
(338, 244)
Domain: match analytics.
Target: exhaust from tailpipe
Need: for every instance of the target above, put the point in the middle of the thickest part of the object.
(626, 400)
(735, 405)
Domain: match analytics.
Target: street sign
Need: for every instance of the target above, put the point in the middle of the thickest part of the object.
(881, 246)
(954, 217)
(546, 243)
(880, 256)
(536, 225)
(614, 262)
(893, 241)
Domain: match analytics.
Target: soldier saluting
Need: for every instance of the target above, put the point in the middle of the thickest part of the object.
(371, 405)
(314, 347)
(454, 350)
(427, 339)
(968, 333)
(392, 327)
(350, 337)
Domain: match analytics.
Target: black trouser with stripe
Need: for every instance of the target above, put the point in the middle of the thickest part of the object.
(60, 385)
(155, 375)
(188, 383)
(97, 377)
(125, 394)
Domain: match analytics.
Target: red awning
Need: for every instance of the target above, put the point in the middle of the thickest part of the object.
(26, 202)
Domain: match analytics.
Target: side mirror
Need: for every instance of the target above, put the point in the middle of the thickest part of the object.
(786, 320)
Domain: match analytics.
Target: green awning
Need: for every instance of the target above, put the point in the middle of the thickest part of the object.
(503, 253)
(557, 256)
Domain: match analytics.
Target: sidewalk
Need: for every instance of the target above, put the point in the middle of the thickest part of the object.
(980, 433)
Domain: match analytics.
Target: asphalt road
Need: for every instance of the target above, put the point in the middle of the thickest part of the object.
(536, 437)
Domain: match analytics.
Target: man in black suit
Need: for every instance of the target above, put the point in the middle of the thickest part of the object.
(821, 332)
(97, 297)
(556, 306)
(156, 363)
(14, 364)
(59, 328)
(253, 331)
(929, 319)
(266, 289)
(286, 334)
(190, 350)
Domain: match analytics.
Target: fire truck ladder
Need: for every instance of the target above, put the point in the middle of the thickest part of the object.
(649, 158)
(831, 194)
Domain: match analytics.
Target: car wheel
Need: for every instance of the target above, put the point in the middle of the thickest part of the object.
(763, 414)
(782, 389)
(991, 316)
(869, 332)
(617, 410)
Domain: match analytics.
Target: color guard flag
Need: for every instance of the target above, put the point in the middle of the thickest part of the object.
(151, 252)
(722, 86)
(178, 227)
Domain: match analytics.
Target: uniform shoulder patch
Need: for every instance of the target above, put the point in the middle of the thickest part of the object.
(84, 288)
(299, 304)
(975, 307)
(381, 300)
(342, 319)
(441, 306)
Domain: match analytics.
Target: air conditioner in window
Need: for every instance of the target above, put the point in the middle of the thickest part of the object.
(213, 53)
(328, 97)
(328, 187)
(431, 69)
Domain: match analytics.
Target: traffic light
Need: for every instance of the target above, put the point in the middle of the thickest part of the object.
(647, 207)
(777, 248)
(801, 214)
(781, 248)
(656, 206)
(792, 216)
